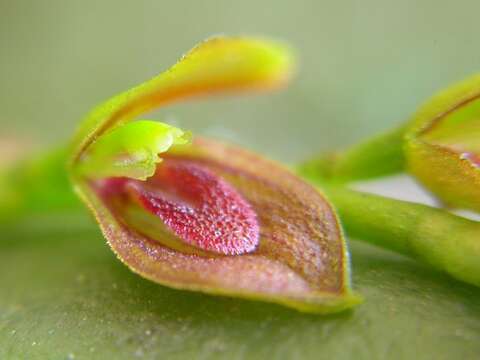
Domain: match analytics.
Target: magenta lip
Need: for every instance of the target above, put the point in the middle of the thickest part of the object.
(199, 207)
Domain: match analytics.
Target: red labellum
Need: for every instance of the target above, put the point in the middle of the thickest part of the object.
(196, 205)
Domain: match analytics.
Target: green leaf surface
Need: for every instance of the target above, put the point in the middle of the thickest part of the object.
(64, 295)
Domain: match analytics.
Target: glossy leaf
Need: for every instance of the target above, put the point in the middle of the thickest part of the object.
(443, 145)
(69, 297)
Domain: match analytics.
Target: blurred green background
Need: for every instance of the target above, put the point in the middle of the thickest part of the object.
(364, 67)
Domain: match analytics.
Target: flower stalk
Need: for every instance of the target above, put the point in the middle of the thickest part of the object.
(445, 241)
(381, 155)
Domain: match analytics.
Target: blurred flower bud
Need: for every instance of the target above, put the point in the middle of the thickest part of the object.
(443, 145)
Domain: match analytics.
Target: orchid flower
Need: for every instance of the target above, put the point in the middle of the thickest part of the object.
(198, 214)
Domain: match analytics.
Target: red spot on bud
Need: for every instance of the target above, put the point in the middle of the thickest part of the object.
(199, 207)
(474, 159)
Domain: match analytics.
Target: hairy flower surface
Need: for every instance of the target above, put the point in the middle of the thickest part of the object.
(198, 214)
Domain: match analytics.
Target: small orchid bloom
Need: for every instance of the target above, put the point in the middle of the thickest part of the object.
(197, 214)
(443, 145)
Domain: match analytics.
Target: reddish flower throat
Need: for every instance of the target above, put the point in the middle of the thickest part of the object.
(199, 207)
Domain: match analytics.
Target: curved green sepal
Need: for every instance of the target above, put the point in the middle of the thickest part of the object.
(217, 65)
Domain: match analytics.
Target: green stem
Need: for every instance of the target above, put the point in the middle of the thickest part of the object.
(379, 156)
(448, 242)
(37, 185)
